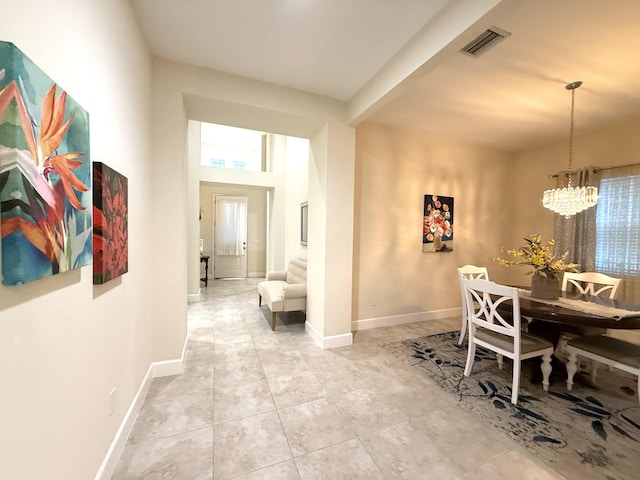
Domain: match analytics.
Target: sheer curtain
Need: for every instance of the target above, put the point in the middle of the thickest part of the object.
(618, 229)
(606, 238)
(230, 215)
(577, 234)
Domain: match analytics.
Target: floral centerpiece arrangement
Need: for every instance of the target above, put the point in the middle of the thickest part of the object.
(546, 265)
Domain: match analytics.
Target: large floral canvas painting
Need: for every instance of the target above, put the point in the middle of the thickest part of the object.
(110, 224)
(45, 174)
(437, 227)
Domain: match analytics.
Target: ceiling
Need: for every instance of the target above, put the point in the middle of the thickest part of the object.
(511, 97)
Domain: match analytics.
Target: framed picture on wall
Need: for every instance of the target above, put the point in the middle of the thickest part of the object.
(304, 222)
(110, 224)
(437, 225)
(45, 174)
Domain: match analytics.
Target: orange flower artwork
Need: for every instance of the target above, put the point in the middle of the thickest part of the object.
(44, 174)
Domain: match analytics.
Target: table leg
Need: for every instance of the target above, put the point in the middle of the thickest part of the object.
(205, 279)
(572, 368)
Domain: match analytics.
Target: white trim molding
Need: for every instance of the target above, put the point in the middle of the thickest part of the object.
(170, 367)
(119, 441)
(332, 341)
(392, 320)
(156, 369)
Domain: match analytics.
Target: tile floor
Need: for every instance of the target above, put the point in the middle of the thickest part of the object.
(258, 404)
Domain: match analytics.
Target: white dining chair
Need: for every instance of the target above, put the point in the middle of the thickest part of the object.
(610, 351)
(591, 283)
(587, 283)
(468, 271)
(488, 328)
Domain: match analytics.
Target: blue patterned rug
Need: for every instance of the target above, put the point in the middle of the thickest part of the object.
(586, 433)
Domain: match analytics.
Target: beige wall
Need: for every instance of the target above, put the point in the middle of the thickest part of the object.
(498, 201)
(256, 230)
(330, 249)
(181, 92)
(65, 343)
(394, 170)
(281, 190)
(615, 145)
(288, 161)
(612, 146)
(171, 188)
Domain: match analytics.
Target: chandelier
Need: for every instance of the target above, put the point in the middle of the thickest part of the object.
(570, 200)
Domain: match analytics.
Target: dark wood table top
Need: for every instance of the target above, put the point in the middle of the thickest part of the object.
(565, 314)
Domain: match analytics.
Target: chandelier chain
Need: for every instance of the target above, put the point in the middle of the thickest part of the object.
(573, 96)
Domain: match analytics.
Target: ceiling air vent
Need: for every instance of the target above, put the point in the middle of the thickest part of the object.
(484, 41)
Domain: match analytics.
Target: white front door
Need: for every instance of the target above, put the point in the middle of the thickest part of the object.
(230, 237)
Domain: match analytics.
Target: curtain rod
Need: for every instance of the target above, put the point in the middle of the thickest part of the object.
(598, 169)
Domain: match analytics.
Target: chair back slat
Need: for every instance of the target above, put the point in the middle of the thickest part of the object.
(484, 298)
(470, 272)
(591, 283)
(474, 272)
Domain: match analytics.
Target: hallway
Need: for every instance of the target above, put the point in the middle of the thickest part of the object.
(258, 404)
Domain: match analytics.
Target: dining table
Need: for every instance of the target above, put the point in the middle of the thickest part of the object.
(579, 310)
(575, 312)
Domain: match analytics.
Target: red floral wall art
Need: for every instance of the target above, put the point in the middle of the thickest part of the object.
(437, 227)
(110, 232)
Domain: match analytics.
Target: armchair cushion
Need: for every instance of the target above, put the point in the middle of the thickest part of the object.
(277, 275)
(294, 290)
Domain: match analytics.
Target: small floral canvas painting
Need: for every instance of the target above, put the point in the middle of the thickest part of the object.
(45, 174)
(437, 228)
(110, 224)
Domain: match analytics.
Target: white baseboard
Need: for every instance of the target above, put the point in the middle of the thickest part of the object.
(156, 369)
(332, 341)
(170, 367)
(117, 445)
(335, 341)
(390, 321)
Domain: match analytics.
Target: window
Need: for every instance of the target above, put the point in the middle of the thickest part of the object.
(618, 226)
(222, 146)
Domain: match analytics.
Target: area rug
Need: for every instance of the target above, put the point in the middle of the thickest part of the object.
(586, 433)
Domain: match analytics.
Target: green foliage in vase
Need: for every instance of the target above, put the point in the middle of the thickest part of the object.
(540, 257)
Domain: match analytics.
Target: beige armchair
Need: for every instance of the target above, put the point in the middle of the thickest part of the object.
(285, 291)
